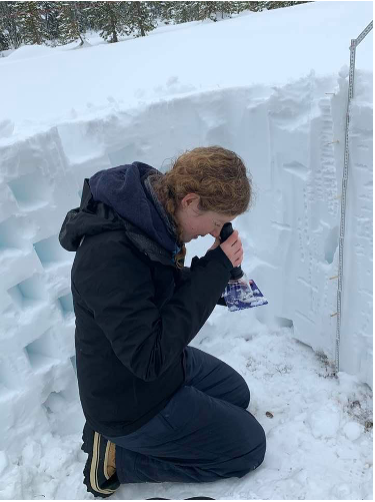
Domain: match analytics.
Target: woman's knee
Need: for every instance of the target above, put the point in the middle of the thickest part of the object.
(254, 445)
(252, 449)
(259, 451)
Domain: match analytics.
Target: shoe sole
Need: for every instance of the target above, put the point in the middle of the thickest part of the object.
(91, 446)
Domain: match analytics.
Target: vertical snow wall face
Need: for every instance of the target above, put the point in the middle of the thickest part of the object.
(292, 140)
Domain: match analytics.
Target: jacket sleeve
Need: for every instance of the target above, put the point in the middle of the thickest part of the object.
(118, 289)
(221, 300)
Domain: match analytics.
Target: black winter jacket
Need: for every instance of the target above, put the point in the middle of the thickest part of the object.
(135, 313)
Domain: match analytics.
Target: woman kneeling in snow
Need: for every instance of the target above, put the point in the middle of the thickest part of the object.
(156, 409)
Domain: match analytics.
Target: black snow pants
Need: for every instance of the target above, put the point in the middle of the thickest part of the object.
(203, 434)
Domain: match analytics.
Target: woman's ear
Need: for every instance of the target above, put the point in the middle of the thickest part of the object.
(191, 200)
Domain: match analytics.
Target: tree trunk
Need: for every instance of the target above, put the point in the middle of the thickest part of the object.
(140, 23)
(114, 33)
(36, 37)
(113, 27)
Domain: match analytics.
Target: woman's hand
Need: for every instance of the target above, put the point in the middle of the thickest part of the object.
(232, 247)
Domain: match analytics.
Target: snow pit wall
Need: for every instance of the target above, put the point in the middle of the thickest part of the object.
(292, 140)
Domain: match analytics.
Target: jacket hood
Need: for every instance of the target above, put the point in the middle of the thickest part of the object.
(114, 195)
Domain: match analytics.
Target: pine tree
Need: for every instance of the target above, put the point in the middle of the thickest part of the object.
(30, 22)
(4, 42)
(83, 16)
(68, 28)
(51, 23)
(165, 11)
(139, 18)
(241, 6)
(210, 10)
(183, 12)
(227, 9)
(196, 10)
(276, 5)
(4, 38)
(111, 18)
(10, 36)
(156, 9)
(186, 11)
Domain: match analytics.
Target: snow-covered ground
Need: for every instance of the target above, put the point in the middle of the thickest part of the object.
(273, 87)
(318, 446)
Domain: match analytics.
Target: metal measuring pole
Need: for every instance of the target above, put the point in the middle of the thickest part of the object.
(353, 45)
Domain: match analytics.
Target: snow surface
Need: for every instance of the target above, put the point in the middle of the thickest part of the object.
(271, 48)
(317, 445)
(70, 112)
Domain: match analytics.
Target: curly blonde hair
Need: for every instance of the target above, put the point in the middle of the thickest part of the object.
(214, 173)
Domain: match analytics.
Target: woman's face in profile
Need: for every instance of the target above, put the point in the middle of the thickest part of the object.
(197, 223)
